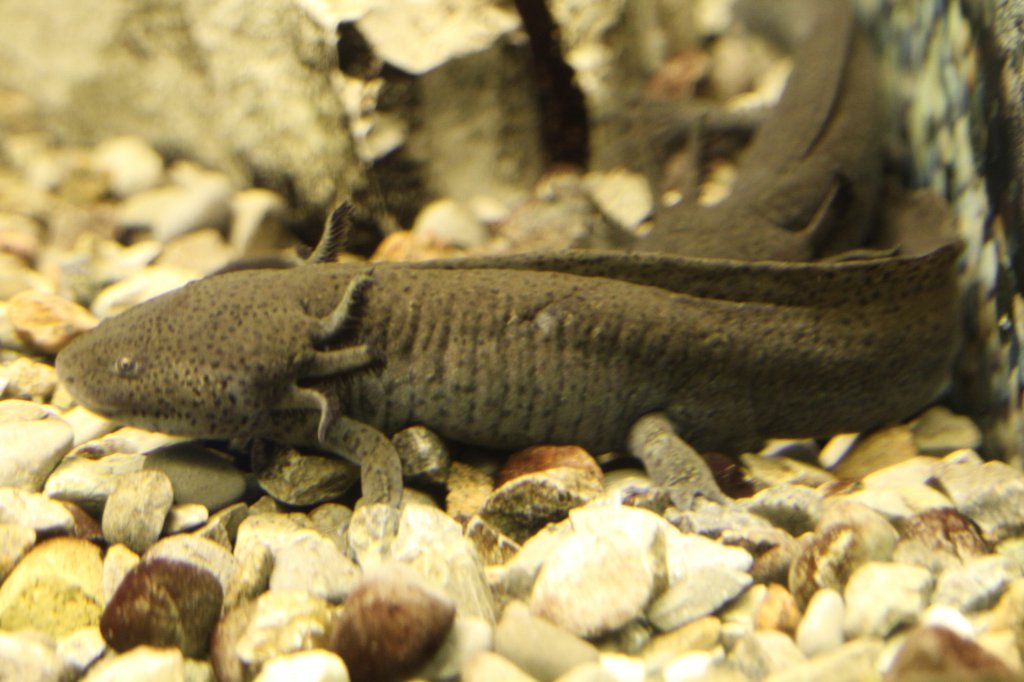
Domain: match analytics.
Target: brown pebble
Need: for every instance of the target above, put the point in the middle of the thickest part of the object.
(47, 322)
(945, 530)
(934, 652)
(163, 602)
(541, 457)
(391, 625)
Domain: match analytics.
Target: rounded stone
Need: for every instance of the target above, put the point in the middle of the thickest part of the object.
(136, 510)
(163, 603)
(47, 322)
(198, 475)
(391, 625)
(34, 441)
(309, 666)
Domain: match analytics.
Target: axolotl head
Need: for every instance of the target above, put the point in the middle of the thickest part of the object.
(207, 360)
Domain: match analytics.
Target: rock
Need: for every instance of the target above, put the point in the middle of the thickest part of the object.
(938, 539)
(391, 625)
(255, 564)
(523, 505)
(778, 611)
(315, 564)
(700, 635)
(198, 475)
(20, 236)
(332, 521)
(821, 628)
(117, 563)
(131, 164)
(764, 653)
(433, 545)
(82, 648)
(937, 653)
(90, 482)
(47, 517)
(223, 525)
(542, 457)
(141, 663)
(163, 603)
(851, 662)
(877, 450)
(371, 533)
(425, 457)
(794, 508)
(468, 490)
(310, 666)
(199, 552)
(712, 520)
(991, 495)
(938, 431)
(56, 588)
(538, 647)
(881, 597)
(47, 322)
(766, 472)
(135, 512)
(197, 199)
(257, 217)
(618, 571)
(622, 195)
(975, 586)
(141, 286)
(487, 666)
(28, 379)
(468, 637)
(203, 250)
(493, 547)
(304, 480)
(703, 592)
(184, 517)
(450, 224)
(15, 541)
(271, 625)
(27, 657)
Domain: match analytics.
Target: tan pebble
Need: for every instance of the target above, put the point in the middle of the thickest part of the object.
(47, 322)
(878, 450)
(541, 457)
(778, 611)
(406, 246)
(20, 236)
(468, 489)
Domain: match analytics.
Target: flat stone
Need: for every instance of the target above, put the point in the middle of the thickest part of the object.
(821, 628)
(315, 564)
(47, 322)
(38, 512)
(373, 634)
(135, 512)
(939, 539)
(271, 625)
(794, 508)
(538, 647)
(851, 662)
(976, 585)
(487, 666)
(27, 657)
(763, 653)
(303, 480)
(619, 573)
(89, 482)
(991, 495)
(163, 603)
(34, 441)
(425, 457)
(198, 475)
(703, 592)
(523, 505)
(938, 431)
(56, 588)
(141, 663)
(881, 597)
(310, 666)
(877, 450)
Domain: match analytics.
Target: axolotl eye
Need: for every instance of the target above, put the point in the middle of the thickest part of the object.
(126, 366)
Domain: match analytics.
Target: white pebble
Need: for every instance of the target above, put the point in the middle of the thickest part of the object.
(316, 665)
(131, 164)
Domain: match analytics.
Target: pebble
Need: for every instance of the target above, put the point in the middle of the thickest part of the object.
(47, 322)
(81, 648)
(199, 198)
(778, 611)
(371, 533)
(29, 379)
(257, 217)
(141, 286)
(204, 251)
(468, 636)
(198, 475)
(271, 625)
(131, 164)
(20, 235)
(523, 505)
(619, 572)
(35, 439)
(761, 654)
(877, 450)
(184, 517)
(794, 508)
(135, 511)
(332, 520)
(141, 663)
(493, 547)
(703, 592)
(854, 661)
(90, 482)
(938, 432)
(991, 495)
(45, 516)
(700, 635)
(309, 666)
(622, 195)
(449, 223)
(821, 627)
(425, 457)
(28, 657)
(199, 552)
(163, 603)
(117, 563)
(881, 597)
(487, 666)
(392, 623)
(938, 652)
(468, 489)
(56, 588)
(538, 647)
(302, 479)
(976, 585)
(939, 539)
(314, 564)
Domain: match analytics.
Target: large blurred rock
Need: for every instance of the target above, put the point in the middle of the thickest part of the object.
(249, 88)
